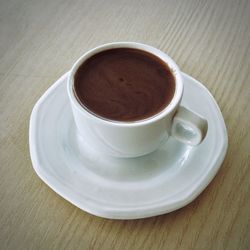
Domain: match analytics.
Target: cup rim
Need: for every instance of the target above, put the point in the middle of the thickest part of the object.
(134, 45)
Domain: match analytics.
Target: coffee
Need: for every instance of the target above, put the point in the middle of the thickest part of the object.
(124, 84)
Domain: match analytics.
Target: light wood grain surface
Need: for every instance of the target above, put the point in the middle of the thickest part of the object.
(40, 40)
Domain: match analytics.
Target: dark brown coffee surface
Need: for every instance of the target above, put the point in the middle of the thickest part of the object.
(124, 84)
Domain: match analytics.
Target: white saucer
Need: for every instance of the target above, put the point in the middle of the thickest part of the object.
(158, 183)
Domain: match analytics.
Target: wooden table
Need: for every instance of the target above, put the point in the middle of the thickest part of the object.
(39, 41)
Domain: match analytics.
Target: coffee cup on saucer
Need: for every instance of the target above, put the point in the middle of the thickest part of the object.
(125, 99)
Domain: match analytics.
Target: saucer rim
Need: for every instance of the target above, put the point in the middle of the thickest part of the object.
(128, 213)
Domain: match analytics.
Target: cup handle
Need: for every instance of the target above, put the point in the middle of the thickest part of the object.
(189, 127)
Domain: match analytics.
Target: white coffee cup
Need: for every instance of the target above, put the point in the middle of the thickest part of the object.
(137, 138)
